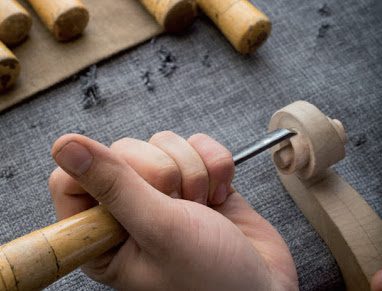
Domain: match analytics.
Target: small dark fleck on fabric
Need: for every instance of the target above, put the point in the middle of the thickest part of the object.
(323, 30)
(146, 78)
(90, 89)
(168, 62)
(206, 61)
(153, 41)
(36, 124)
(78, 130)
(358, 139)
(324, 11)
(7, 172)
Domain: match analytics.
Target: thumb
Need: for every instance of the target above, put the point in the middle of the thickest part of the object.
(110, 180)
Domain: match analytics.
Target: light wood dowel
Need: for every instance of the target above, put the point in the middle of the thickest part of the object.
(173, 15)
(36, 260)
(9, 68)
(15, 22)
(66, 19)
(243, 24)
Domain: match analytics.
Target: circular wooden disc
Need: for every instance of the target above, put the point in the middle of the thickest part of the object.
(71, 23)
(179, 16)
(15, 28)
(324, 144)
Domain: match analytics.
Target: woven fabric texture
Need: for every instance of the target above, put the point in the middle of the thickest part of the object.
(329, 54)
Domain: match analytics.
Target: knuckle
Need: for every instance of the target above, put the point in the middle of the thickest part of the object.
(167, 178)
(162, 135)
(198, 177)
(222, 164)
(119, 143)
(198, 136)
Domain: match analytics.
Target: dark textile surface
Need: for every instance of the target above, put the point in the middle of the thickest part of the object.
(331, 57)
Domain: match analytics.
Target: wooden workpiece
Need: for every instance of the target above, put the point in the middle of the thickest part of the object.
(348, 225)
(15, 22)
(243, 24)
(173, 15)
(9, 68)
(38, 259)
(66, 19)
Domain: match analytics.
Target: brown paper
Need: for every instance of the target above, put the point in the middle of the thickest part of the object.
(114, 26)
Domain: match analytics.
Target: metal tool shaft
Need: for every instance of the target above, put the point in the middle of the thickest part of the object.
(270, 140)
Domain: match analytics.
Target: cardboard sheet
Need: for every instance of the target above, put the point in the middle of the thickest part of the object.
(114, 26)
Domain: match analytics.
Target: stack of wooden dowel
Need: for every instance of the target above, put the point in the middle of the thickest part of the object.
(245, 26)
(65, 19)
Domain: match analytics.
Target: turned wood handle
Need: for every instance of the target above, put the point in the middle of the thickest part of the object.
(9, 68)
(36, 260)
(66, 19)
(15, 22)
(173, 15)
(243, 24)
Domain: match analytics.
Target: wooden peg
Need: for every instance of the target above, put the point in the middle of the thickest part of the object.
(66, 19)
(245, 26)
(174, 16)
(9, 68)
(348, 225)
(15, 22)
(36, 260)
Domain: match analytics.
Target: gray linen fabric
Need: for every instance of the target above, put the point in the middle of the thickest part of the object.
(330, 57)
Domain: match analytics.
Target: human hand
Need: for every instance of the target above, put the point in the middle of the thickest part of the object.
(173, 244)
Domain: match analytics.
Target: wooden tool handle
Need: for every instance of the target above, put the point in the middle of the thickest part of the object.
(244, 25)
(173, 15)
(36, 260)
(66, 19)
(15, 22)
(9, 68)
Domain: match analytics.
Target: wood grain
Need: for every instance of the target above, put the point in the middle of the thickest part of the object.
(245, 26)
(348, 225)
(15, 22)
(36, 260)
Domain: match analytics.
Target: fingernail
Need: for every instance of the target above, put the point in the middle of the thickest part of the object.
(74, 158)
(220, 194)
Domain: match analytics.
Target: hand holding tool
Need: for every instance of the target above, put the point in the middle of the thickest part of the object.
(41, 257)
(306, 143)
